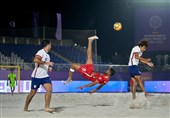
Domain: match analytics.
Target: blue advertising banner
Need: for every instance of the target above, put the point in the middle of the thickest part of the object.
(111, 87)
(58, 86)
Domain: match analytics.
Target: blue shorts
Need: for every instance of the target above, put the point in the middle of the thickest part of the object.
(134, 70)
(36, 82)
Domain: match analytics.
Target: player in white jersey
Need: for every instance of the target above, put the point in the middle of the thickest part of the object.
(40, 76)
(135, 58)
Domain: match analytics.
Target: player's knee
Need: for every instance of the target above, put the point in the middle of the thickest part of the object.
(134, 83)
(139, 80)
(32, 93)
(48, 92)
(73, 65)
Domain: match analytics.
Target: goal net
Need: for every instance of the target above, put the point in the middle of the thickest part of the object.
(4, 72)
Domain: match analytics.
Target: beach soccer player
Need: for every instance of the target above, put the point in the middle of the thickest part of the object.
(87, 70)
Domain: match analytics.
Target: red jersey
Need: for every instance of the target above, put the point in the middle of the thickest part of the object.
(87, 71)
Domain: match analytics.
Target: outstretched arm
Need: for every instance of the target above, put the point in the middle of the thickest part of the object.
(88, 85)
(143, 60)
(147, 63)
(98, 88)
(37, 59)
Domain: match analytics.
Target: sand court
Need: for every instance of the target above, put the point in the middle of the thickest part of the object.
(84, 105)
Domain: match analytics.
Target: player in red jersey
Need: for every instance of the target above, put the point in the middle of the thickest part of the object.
(87, 70)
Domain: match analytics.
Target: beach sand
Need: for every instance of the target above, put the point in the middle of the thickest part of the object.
(84, 105)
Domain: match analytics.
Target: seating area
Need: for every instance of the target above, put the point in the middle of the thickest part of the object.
(13, 58)
(25, 52)
(73, 53)
(56, 59)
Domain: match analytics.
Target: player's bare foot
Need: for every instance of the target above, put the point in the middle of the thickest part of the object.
(50, 110)
(67, 81)
(147, 94)
(132, 105)
(93, 38)
(25, 109)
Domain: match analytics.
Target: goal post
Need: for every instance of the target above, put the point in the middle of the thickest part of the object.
(18, 73)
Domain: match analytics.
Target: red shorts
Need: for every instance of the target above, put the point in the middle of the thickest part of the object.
(86, 70)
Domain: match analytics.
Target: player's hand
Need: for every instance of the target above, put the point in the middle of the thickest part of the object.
(92, 91)
(148, 59)
(81, 87)
(150, 64)
(49, 63)
(50, 69)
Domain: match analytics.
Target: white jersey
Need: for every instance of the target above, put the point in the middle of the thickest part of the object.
(41, 70)
(132, 59)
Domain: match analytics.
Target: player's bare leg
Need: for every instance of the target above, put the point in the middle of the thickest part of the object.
(89, 59)
(89, 50)
(29, 98)
(140, 82)
(72, 70)
(133, 88)
(48, 94)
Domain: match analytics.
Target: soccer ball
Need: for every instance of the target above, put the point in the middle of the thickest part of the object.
(117, 26)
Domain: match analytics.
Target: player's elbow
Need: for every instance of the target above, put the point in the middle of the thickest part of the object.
(137, 57)
(96, 82)
(35, 60)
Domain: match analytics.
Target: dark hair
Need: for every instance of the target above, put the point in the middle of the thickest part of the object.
(45, 43)
(112, 71)
(143, 43)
